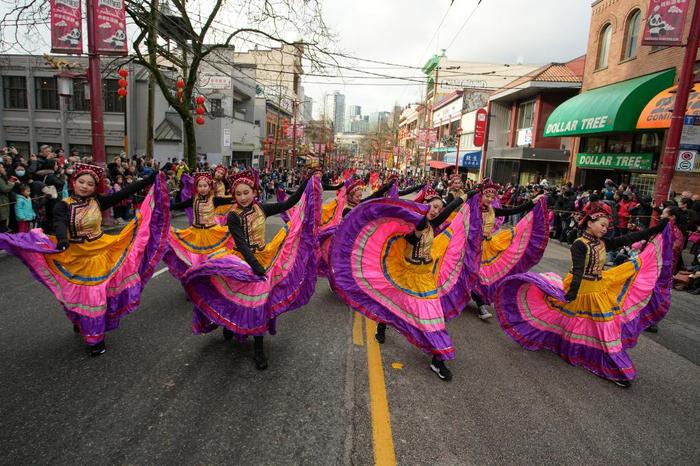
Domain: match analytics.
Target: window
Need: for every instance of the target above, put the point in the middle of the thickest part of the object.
(14, 90)
(21, 146)
(632, 35)
(526, 114)
(79, 102)
(82, 149)
(112, 101)
(46, 93)
(604, 47)
(215, 108)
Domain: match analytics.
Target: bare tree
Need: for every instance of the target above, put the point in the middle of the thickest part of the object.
(197, 28)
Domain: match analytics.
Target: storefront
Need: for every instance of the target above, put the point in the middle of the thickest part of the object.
(469, 162)
(611, 146)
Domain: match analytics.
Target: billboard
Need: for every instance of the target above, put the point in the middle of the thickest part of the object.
(109, 17)
(66, 26)
(665, 22)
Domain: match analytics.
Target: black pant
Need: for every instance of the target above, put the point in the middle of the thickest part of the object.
(478, 299)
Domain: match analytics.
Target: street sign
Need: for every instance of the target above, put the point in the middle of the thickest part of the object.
(690, 136)
(687, 161)
(480, 127)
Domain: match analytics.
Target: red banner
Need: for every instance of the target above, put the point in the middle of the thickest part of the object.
(110, 27)
(665, 22)
(66, 26)
(480, 127)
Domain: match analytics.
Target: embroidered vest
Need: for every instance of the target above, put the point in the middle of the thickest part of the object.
(595, 257)
(253, 223)
(420, 253)
(203, 209)
(488, 216)
(219, 188)
(85, 219)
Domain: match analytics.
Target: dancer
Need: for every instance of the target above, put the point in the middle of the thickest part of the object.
(591, 317)
(511, 250)
(456, 188)
(190, 246)
(395, 262)
(96, 277)
(355, 190)
(246, 291)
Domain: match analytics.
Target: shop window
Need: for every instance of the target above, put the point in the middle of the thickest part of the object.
(648, 142)
(22, 147)
(112, 151)
(14, 90)
(644, 183)
(620, 143)
(110, 96)
(46, 92)
(79, 102)
(82, 149)
(604, 47)
(631, 35)
(593, 145)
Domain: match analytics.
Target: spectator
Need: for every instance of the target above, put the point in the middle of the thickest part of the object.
(6, 186)
(24, 211)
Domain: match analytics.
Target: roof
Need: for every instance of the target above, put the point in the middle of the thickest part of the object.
(552, 72)
(167, 131)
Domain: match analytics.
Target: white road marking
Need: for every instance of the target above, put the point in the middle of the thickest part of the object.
(160, 271)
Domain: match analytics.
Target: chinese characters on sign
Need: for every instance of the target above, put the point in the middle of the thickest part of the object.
(210, 81)
(110, 27)
(665, 22)
(66, 26)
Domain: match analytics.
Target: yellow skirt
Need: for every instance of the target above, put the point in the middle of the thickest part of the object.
(600, 300)
(492, 248)
(419, 278)
(202, 240)
(94, 260)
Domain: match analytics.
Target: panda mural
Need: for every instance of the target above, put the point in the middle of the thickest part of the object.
(72, 38)
(117, 40)
(657, 25)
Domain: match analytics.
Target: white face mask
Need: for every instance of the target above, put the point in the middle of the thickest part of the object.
(19, 172)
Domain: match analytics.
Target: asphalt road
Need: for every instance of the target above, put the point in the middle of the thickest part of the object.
(163, 395)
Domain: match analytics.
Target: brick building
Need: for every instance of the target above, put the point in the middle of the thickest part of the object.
(621, 78)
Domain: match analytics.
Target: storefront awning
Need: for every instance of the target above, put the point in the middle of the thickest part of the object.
(438, 165)
(657, 114)
(467, 159)
(613, 108)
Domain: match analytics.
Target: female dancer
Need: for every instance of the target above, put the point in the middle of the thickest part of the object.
(511, 250)
(391, 262)
(193, 245)
(97, 277)
(244, 292)
(591, 317)
(355, 190)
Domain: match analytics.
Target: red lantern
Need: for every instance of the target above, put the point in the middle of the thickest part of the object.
(199, 110)
(123, 72)
(123, 82)
(178, 94)
(122, 92)
(200, 100)
(180, 83)
(200, 120)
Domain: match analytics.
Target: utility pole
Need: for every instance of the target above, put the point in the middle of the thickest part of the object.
(685, 82)
(95, 81)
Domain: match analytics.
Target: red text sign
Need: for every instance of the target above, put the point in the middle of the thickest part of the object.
(66, 26)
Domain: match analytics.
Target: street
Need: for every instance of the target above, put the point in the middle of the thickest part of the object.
(163, 395)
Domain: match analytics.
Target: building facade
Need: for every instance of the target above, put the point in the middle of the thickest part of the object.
(621, 78)
(516, 151)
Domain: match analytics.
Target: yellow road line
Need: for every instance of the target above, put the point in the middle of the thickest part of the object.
(357, 330)
(382, 439)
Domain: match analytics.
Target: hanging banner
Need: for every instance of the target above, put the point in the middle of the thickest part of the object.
(480, 127)
(66, 26)
(665, 22)
(110, 27)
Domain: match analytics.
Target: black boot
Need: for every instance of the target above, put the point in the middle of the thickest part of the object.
(76, 329)
(380, 336)
(228, 334)
(652, 329)
(259, 357)
(96, 350)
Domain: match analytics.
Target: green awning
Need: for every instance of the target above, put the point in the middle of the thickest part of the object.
(607, 109)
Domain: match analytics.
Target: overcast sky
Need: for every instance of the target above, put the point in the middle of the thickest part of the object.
(400, 31)
(405, 32)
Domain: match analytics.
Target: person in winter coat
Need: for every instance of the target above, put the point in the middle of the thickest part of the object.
(6, 186)
(24, 211)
